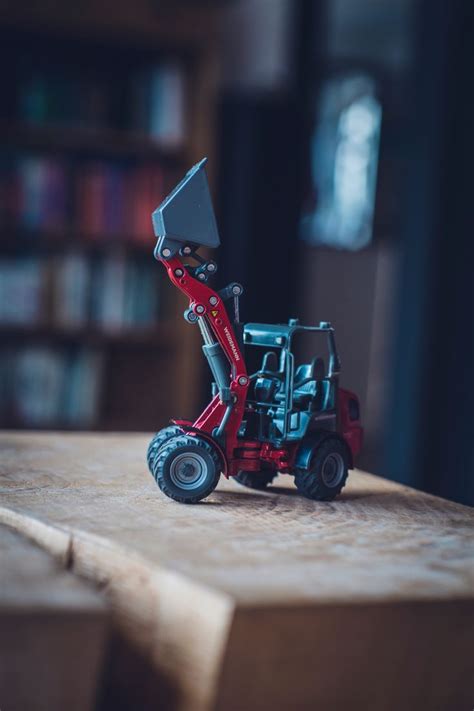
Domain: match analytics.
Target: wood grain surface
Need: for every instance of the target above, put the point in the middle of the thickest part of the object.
(257, 600)
(52, 632)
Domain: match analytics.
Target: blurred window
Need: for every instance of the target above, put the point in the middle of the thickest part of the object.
(344, 158)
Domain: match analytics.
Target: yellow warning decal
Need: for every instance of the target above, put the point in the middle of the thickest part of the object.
(214, 313)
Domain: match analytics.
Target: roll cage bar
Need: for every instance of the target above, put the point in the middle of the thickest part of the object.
(280, 336)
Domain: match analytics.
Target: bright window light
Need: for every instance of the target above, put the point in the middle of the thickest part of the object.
(344, 158)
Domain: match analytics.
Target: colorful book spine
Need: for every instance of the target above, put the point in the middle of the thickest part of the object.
(155, 96)
(71, 284)
(41, 194)
(22, 291)
(44, 387)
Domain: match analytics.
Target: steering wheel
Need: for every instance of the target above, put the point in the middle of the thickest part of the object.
(270, 374)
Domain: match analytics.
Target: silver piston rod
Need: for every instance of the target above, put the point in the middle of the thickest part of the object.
(205, 331)
(218, 363)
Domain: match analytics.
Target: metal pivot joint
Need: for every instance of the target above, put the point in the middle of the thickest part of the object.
(234, 291)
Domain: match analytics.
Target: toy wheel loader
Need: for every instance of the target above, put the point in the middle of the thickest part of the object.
(283, 418)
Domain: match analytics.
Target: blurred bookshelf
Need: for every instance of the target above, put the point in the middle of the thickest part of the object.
(101, 116)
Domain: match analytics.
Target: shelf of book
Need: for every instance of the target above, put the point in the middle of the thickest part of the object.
(14, 241)
(100, 119)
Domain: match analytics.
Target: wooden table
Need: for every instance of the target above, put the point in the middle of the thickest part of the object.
(52, 632)
(255, 600)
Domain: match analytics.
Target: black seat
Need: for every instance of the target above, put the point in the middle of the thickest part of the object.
(310, 385)
(265, 388)
(303, 373)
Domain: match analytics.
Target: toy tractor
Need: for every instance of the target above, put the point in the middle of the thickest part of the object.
(283, 418)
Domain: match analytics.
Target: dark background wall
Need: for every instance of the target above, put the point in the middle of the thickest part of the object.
(402, 306)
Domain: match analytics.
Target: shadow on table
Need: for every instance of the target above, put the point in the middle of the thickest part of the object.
(382, 500)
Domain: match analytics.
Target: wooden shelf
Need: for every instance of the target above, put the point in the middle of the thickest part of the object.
(138, 25)
(154, 372)
(16, 239)
(101, 142)
(162, 336)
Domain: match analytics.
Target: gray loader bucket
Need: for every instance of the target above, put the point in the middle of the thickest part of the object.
(186, 215)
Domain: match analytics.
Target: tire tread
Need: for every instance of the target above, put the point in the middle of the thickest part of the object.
(309, 482)
(159, 472)
(160, 437)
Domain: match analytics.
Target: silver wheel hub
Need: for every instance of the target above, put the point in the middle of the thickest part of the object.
(332, 471)
(188, 470)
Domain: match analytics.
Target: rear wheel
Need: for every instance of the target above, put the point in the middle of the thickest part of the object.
(327, 474)
(255, 480)
(187, 468)
(158, 440)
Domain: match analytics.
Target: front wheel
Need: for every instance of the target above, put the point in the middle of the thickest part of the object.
(158, 440)
(327, 474)
(255, 480)
(187, 468)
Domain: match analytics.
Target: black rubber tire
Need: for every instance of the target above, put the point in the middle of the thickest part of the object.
(158, 440)
(196, 447)
(255, 480)
(313, 482)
